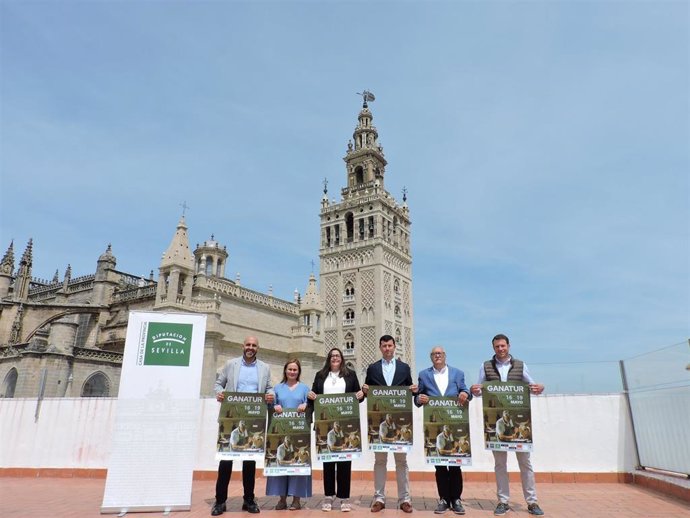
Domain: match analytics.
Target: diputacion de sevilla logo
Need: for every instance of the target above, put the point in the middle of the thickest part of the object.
(168, 344)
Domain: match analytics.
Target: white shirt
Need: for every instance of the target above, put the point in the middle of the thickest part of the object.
(333, 384)
(388, 370)
(441, 379)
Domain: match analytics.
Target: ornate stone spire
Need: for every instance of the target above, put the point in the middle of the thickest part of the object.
(7, 263)
(365, 161)
(56, 277)
(311, 297)
(108, 256)
(27, 256)
(21, 284)
(178, 253)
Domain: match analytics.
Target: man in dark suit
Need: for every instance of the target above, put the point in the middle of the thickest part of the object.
(392, 373)
(443, 380)
(243, 374)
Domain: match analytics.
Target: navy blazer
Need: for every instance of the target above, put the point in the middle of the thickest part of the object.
(401, 378)
(456, 383)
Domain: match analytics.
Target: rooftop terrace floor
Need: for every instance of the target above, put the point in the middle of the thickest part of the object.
(82, 497)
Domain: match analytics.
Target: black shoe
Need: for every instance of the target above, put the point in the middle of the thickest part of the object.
(457, 507)
(442, 507)
(251, 507)
(218, 509)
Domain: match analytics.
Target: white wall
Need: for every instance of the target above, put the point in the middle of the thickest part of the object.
(572, 433)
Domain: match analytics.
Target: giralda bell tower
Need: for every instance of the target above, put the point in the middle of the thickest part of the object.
(366, 274)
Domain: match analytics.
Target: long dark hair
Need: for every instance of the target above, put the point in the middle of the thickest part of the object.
(344, 369)
(299, 369)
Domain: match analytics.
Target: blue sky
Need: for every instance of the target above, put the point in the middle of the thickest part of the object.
(544, 147)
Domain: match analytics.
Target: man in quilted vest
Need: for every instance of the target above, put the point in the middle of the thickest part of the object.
(503, 367)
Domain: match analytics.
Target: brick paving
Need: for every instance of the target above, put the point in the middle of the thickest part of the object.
(82, 497)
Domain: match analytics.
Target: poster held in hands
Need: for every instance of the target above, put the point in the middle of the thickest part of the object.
(389, 418)
(337, 426)
(241, 427)
(507, 416)
(446, 433)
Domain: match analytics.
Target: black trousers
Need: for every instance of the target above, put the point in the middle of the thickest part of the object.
(449, 482)
(337, 474)
(223, 480)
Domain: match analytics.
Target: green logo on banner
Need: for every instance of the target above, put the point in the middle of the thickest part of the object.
(168, 344)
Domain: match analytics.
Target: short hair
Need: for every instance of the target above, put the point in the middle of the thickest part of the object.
(299, 368)
(386, 338)
(500, 337)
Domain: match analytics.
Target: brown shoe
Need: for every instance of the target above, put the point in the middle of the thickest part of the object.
(406, 507)
(377, 506)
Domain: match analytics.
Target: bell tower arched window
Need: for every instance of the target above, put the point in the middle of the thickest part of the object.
(359, 175)
(349, 292)
(350, 226)
(349, 319)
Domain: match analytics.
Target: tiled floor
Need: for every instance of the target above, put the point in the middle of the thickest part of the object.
(81, 497)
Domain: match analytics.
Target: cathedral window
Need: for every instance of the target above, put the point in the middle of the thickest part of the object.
(361, 228)
(10, 383)
(337, 235)
(209, 265)
(219, 268)
(328, 236)
(396, 286)
(371, 226)
(97, 385)
(398, 314)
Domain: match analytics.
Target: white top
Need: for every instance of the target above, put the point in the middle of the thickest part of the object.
(333, 384)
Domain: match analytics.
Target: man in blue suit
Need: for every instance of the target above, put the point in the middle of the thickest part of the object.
(443, 380)
(390, 372)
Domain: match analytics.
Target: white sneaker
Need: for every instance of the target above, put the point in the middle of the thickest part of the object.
(345, 506)
(327, 504)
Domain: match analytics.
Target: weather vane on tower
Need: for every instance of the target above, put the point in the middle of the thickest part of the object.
(366, 96)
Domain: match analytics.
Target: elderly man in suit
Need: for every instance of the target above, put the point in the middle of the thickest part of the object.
(243, 374)
(392, 373)
(443, 380)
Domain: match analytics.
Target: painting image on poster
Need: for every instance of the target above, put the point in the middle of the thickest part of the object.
(389, 419)
(507, 416)
(337, 426)
(288, 444)
(446, 433)
(241, 427)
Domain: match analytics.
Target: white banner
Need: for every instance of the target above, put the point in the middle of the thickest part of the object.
(157, 419)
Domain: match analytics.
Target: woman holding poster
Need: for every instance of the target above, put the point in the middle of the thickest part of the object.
(336, 378)
(290, 393)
